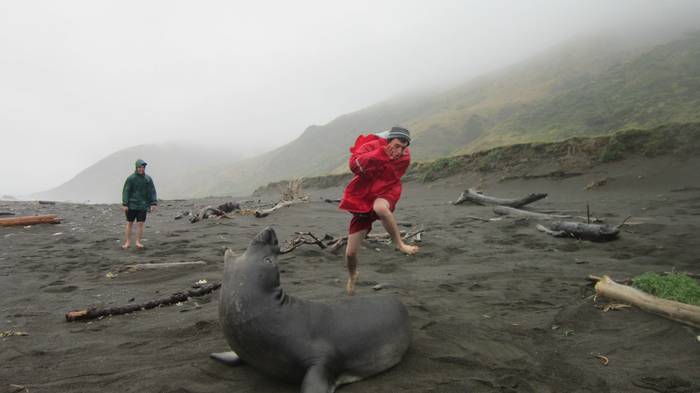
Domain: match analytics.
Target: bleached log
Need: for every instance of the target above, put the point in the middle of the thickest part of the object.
(30, 220)
(676, 311)
(146, 266)
(511, 211)
(473, 196)
(280, 205)
(593, 232)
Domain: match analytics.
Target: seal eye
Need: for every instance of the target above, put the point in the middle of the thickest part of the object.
(268, 260)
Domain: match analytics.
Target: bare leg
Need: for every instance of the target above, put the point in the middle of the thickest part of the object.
(127, 243)
(139, 233)
(381, 208)
(354, 241)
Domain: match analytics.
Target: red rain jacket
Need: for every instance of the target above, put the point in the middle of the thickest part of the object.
(376, 175)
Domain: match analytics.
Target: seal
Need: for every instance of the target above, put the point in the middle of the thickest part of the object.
(320, 345)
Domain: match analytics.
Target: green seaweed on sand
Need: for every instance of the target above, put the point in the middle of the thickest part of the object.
(673, 286)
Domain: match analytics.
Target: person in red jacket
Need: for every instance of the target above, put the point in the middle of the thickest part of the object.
(372, 194)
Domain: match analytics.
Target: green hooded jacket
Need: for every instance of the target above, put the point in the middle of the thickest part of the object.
(139, 191)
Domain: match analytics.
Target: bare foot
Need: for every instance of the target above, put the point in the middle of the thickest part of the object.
(350, 286)
(139, 246)
(407, 249)
(125, 246)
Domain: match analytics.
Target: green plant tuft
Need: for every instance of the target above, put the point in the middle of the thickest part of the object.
(673, 286)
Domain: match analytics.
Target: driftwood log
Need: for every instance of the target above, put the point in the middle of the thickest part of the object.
(579, 230)
(279, 205)
(473, 196)
(676, 311)
(30, 220)
(416, 234)
(164, 265)
(302, 238)
(206, 212)
(333, 244)
(511, 211)
(96, 312)
(218, 212)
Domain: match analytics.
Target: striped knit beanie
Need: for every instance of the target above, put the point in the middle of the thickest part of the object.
(400, 133)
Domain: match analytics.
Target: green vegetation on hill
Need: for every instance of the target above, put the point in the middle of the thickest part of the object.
(658, 87)
(570, 155)
(585, 88)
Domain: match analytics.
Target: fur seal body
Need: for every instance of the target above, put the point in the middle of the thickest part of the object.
(321, 345)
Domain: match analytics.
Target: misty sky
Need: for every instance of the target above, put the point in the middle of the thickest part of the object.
(82, 79)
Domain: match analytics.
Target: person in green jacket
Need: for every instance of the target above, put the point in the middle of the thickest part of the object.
(138, 198)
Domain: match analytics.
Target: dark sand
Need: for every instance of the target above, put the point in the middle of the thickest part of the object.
(495, 307)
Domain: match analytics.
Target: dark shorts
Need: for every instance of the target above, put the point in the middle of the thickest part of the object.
(362, 222)
(138, 215)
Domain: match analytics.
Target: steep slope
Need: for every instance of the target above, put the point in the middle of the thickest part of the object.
(586, 87)
(479, 114)
(658, 87)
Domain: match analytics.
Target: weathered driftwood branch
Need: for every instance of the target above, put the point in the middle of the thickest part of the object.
(594, 280)
(415, 233)
(30, 220)
(164, 265)
(95, 312)
(511, 211)
(479, 218)
(7, 214)
(294, 190)
(475, 197)
(206, 212)
(676, 311)
(218, 212)
(593, 232)
(301, 238)
(279, 205)
(335, 244)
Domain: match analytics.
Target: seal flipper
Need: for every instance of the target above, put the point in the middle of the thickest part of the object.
(317, 380)
(228, 358)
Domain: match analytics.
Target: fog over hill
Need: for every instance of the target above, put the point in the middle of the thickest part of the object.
(585, 87)
(78, 85)
(170, 165)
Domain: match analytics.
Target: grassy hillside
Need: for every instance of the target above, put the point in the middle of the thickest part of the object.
(528, 159)
(582, 88)
(658, 87)
(442, 124)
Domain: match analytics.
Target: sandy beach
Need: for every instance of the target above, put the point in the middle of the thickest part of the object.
(495, 306)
